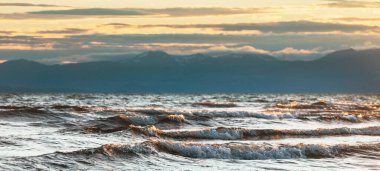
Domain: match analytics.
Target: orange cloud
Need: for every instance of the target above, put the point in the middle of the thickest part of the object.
(351, 4)
(68, 62)
(293, 51)
(12, 46)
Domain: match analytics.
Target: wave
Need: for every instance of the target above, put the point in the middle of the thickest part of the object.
(229, 151)
(144, 120)
(259, 152)
(216, 105)
(122, 122)
(74, 108)
(22, 109)
(4, 143)
(298, 105)
(32, 113)
(328, 111)
(115, 150)
(326, 115)
(318, 111)
(213, 114)
(127, 120)
(326, 106)
(170, 115)
(222, 133)
(202, 114)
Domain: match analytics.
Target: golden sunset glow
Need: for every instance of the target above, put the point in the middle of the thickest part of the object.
(189, 85)
(25, 47)
(127, 26)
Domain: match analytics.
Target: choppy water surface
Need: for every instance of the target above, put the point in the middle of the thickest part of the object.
(189, 132)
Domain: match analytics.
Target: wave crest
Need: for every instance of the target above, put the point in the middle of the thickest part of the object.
(222, 133)
(215, 105)
(122, 122)
(116, 150)
(229, 151)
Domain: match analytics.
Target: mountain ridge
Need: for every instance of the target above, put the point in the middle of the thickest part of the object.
(156, 71)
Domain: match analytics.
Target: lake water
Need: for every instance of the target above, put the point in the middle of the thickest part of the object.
(189, 131)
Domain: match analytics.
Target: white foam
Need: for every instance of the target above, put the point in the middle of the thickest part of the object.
(240, 133)
(255, 152)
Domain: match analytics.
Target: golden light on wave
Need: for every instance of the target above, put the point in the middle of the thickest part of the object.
(3, 61)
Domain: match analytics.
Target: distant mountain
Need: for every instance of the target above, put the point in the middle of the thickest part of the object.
(156, 71)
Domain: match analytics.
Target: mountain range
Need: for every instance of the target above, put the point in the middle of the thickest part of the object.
(158, 72)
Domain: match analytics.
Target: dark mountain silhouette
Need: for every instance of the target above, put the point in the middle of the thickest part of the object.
(156, 71)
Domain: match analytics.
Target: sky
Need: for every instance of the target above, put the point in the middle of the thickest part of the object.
(53, 31)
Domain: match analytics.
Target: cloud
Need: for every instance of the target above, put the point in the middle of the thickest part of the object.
(68, 62)
(22, 40)
(251, 49)
(87, 57)
(91, 12)
(27, 16)
(71, 59)
(116, 25)
(366, 45)
(122, 12)
(16, 47)
(272, 42)
(3, 4)
(355, 19)
(65, 31)
(298, 26)
(22, 47)
(180, 12)
(187, 48)
(293, 51)
(288, 53)
(241, 49)
(131, 12)
(351, 4)
(6, 32)
(282, 27)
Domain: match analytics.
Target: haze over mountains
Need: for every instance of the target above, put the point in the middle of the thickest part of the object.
(156, 71)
